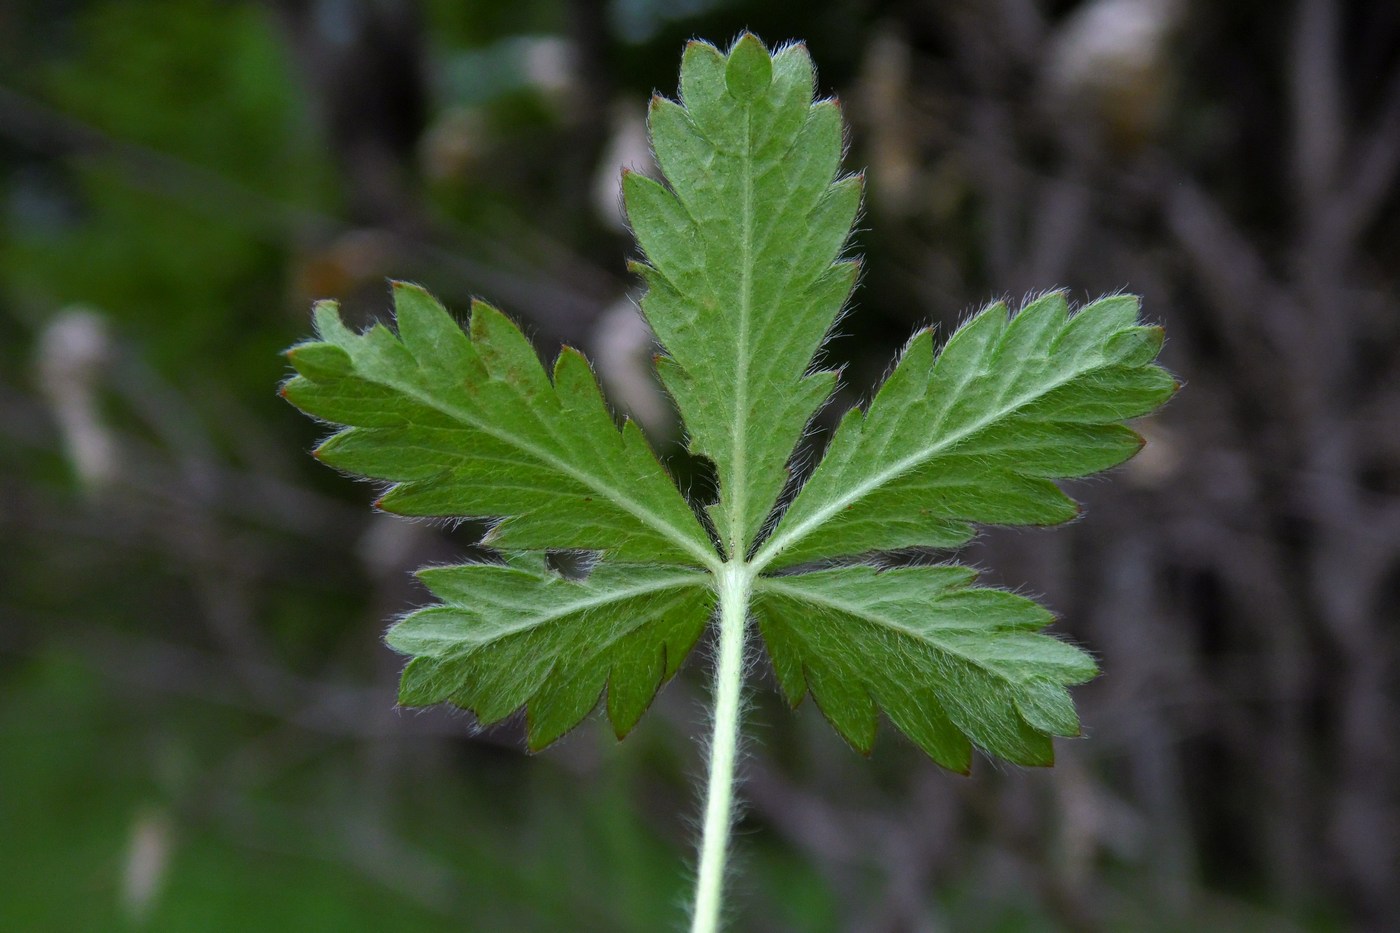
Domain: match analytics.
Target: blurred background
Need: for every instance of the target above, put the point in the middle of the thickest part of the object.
(197, 729)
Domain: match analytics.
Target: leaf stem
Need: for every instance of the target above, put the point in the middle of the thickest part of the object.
(735, 581)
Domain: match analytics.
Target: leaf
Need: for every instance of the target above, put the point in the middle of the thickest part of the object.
(474, 428)
(978, 434)
(742, 271)
(744, 275)
(518, 634)
(951, 665)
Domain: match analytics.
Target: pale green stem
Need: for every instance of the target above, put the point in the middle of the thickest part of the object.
(735, 584)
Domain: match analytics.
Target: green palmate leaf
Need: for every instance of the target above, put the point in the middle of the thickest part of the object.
(474, 427)
(744, 274)
(978, 434)
(519, 634)
(741, 271)
(951, 665)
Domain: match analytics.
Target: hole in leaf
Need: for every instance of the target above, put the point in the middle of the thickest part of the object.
(572, 565)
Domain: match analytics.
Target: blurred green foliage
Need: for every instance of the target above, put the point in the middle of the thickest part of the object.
(80, 775)
(188, 271)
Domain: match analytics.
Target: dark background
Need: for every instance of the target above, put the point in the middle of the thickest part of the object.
(197, 728)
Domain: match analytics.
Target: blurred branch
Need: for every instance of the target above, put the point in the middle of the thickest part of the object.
(1320, 130)
(1367, 185)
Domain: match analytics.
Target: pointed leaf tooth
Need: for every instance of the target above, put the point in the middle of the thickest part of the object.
(425, 681)
(320, 362)
(907, 383)
(703, 90)
(377, 451)
(665, 232)
(749, 70)
(785, 655)
(816, 154)
(998, 499)
(963, 356)
(1051, 450)
(793, 88)
(846, 704)
(500, 689)
(562, 703)
(582, 399)
(1135, 346)
(1097, 322)
(1114, 393)
(637, 669)
(431, 632)
(380, 350)
(507, 353)
(430, 333)
(682, 152)
(325, 317)
(1031, 332)
(345, 401)
(829, 223)
(923, 720)
(1047, 707)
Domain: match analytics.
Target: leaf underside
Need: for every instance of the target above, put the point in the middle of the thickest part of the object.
(950, 664)
(473, 427)
(507, 636)
(978, 435)
(742, 271)
(745, 276)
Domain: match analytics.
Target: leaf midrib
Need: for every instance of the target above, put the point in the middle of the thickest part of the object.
(676, 581)
(705, 555)
(738, 494)
(864, 613)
